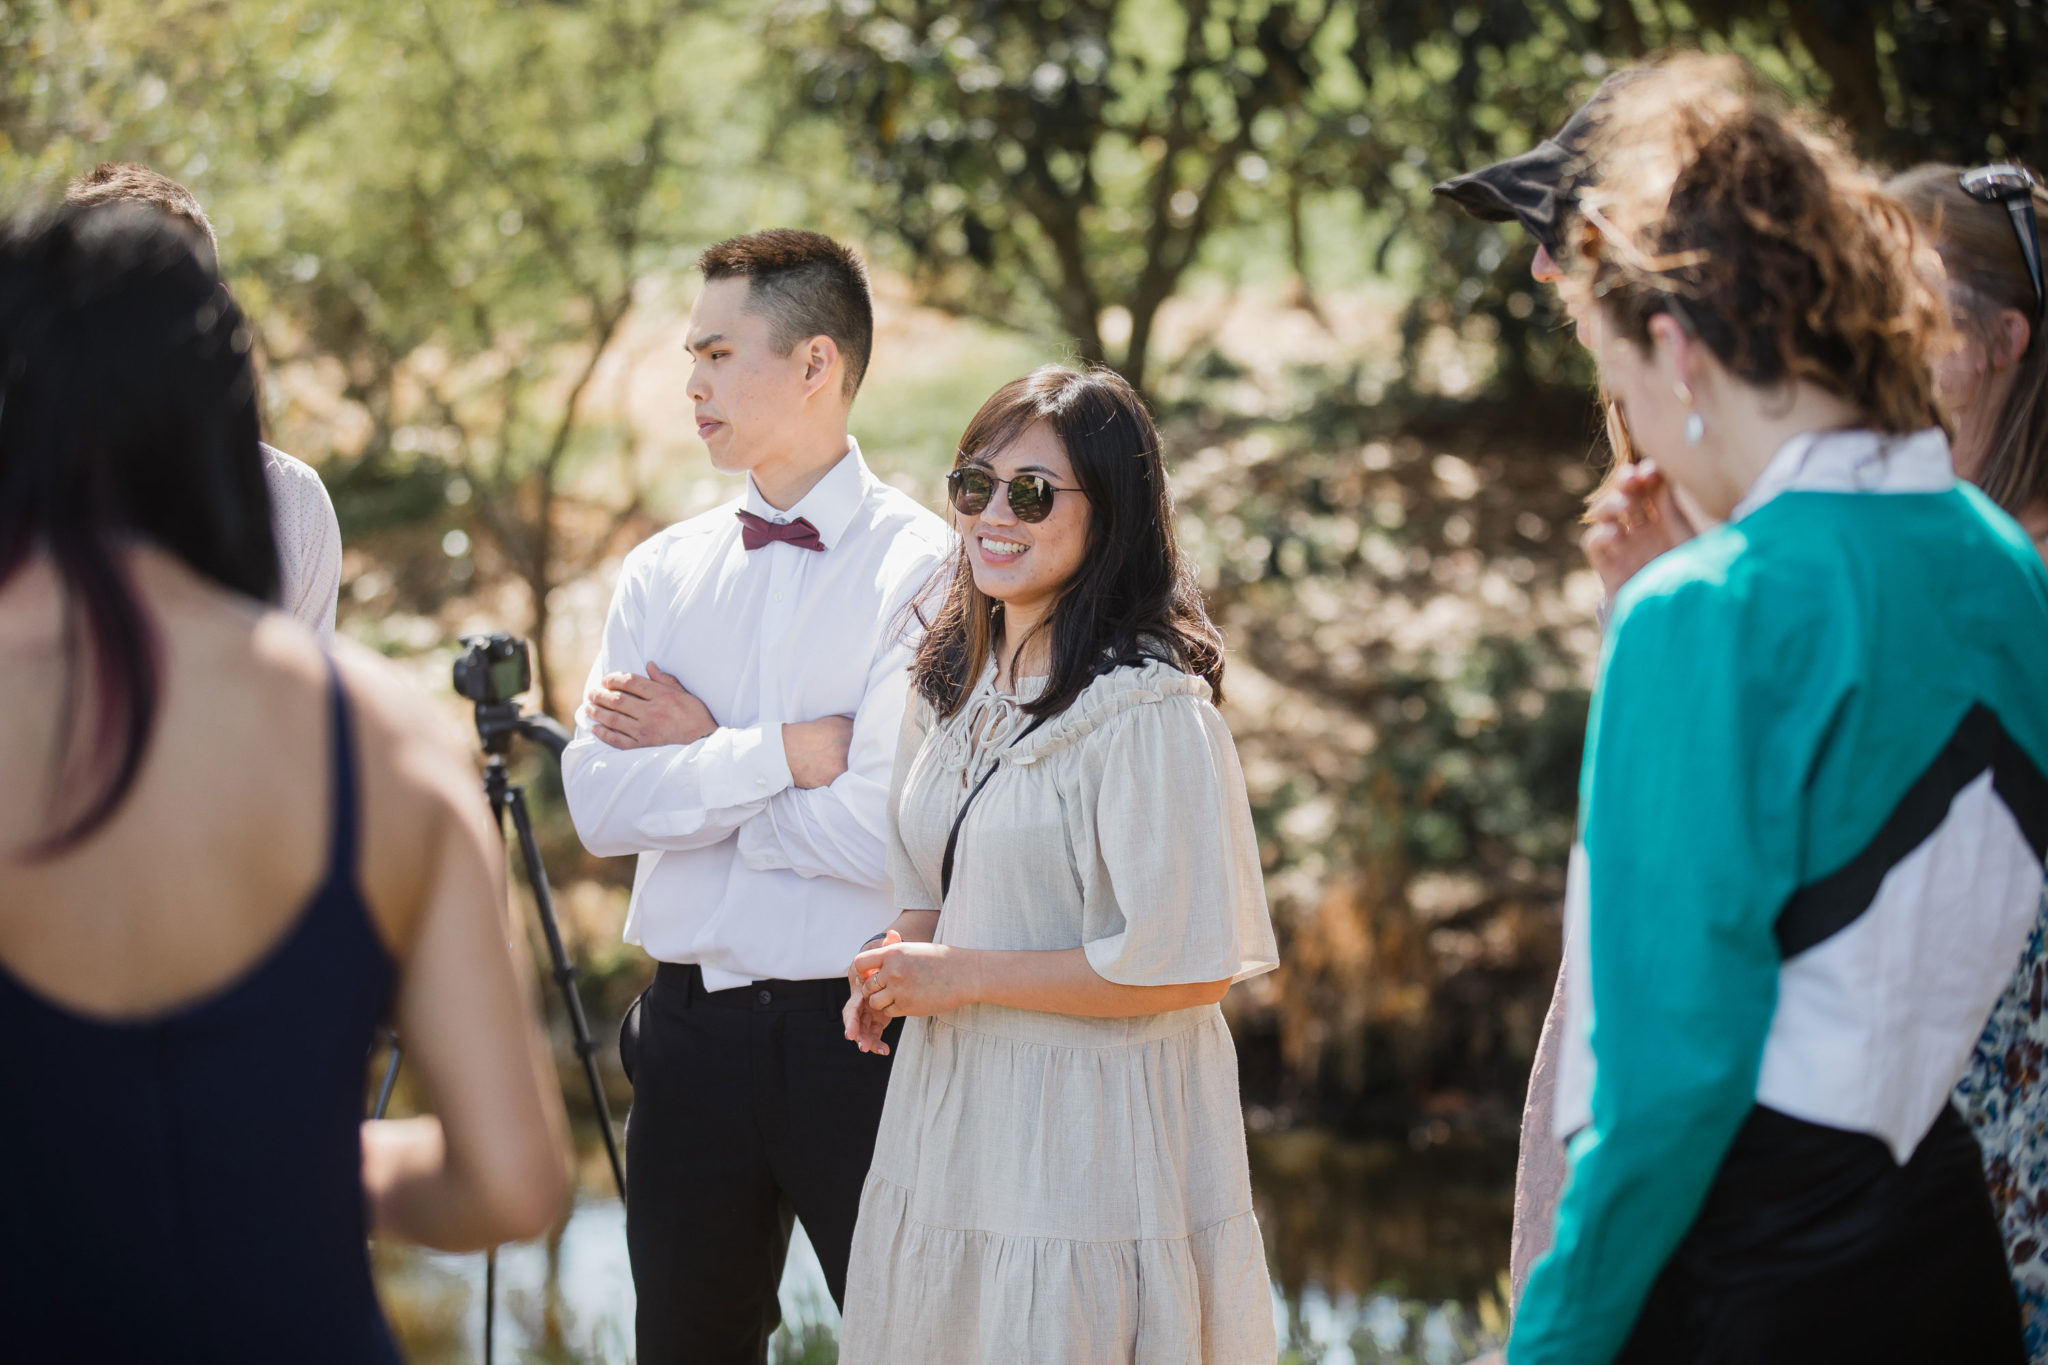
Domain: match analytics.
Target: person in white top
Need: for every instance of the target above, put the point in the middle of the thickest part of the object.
(308, 542)
(737, 736)
(301, 514)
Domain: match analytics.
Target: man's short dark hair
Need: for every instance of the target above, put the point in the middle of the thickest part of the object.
(124, 182)
(807, 285)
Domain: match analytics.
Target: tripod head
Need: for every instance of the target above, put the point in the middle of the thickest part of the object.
(491, 670)
(498, 722)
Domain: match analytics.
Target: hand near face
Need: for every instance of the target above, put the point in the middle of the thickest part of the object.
(915, 978)
(1632, 523)
(631, 712)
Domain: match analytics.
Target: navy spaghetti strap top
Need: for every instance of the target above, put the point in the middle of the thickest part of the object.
(189, 1187)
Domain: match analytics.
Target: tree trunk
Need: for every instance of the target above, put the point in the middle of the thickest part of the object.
(1848, 54)
(1627, 27)
(539, 582)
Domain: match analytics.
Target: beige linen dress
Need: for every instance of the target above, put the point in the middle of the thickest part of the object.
(1048, 1188)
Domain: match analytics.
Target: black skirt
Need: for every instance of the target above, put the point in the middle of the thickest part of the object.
(1814, 1246)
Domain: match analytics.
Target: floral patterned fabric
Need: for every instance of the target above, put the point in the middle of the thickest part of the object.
(2004, 1095)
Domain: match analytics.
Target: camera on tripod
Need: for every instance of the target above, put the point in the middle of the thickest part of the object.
(493, 669)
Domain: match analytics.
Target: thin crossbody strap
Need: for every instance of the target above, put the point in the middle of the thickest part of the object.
(960, 816)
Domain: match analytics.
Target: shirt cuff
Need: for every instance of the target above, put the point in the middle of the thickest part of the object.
(754, 766)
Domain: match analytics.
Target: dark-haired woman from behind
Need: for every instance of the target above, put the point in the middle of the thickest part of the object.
(1060, 1172)
(224, 860)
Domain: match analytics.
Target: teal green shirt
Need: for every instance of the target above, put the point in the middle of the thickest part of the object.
(1769, 693)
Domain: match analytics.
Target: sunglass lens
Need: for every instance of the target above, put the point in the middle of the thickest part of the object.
(971, 489)
(1030, 497)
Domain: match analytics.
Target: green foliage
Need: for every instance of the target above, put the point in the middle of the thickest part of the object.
(812, 1342)
(449, 218)
(1046, 162)
(487, 194)
(1055, 157)
(1063, 162)
(442, 214)
(1415, 785)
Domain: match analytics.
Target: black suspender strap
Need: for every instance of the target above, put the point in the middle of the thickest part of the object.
(960, 816)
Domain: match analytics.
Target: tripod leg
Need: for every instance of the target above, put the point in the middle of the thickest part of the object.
(390, 1075)
(565, 976)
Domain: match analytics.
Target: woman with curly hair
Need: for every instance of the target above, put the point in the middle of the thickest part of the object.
(1813, 808)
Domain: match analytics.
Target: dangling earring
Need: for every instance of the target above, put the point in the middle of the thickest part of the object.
(1695, 425)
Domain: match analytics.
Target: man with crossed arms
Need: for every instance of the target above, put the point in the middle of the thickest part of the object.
(737, 735)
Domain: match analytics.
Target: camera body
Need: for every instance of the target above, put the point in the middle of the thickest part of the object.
(492, 669)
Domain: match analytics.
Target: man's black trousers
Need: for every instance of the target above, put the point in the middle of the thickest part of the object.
(749, 1108)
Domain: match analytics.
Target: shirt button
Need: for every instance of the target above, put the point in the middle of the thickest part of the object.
(766, 997)
(778, 597)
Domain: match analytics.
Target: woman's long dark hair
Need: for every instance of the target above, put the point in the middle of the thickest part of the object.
(127, 412)
(1134, 597)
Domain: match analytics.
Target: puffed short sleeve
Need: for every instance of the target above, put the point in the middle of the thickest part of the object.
(1171, 886)
(913, 892)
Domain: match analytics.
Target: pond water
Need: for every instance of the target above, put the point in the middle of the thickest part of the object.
(1379, 1254)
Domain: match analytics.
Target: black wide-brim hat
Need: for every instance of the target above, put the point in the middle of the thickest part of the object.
(1537, 188)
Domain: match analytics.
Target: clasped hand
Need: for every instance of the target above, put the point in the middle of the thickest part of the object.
(895, 978)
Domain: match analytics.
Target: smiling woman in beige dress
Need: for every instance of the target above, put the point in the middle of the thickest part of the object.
(1060, 1173)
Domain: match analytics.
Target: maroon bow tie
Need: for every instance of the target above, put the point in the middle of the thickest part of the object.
(758, 531)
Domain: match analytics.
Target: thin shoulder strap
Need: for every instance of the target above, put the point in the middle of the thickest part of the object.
(342, 786)
(960, 816)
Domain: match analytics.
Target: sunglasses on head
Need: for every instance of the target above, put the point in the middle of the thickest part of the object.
(1031, 495)
(2013, 186)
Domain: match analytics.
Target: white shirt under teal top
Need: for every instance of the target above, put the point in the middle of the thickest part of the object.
(1812, 819)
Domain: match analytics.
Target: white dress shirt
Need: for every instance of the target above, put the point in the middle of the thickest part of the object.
(308, 541)
(740, 870)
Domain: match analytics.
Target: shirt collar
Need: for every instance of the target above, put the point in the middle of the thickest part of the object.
(832, 501)
(1854, 461)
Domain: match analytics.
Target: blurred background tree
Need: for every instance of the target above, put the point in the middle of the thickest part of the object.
(1065, 162)
(465, 228)
(442, 216)
(485, 193)
(1045, 163)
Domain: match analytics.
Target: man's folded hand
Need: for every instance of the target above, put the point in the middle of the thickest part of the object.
(631, 712)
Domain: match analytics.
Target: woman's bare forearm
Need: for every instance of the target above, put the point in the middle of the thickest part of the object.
(411, 1190)
(418, 1191)
(916, 926)
(1062, 981)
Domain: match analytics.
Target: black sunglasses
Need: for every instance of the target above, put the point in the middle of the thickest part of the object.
(1030, 494)
(2013, 186)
